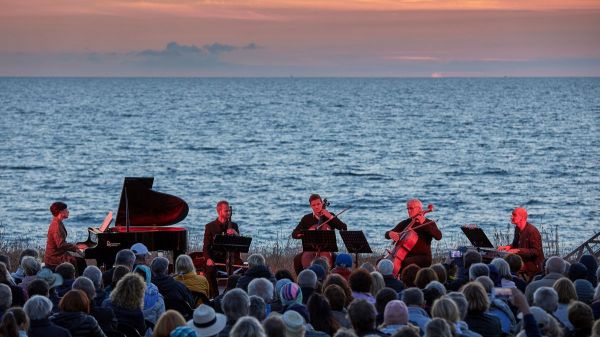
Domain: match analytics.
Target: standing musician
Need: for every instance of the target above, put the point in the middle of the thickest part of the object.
(222, 225)
(58, 250)
(312, 220)
(527, 243)
(426, 229)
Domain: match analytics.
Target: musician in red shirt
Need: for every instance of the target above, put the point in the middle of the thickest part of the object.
(58, 250)
(426, 229)
(527, 243)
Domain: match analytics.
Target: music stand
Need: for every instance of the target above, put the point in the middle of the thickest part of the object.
(356, 243)
(476, 236)
(231, 244)
(319, 241)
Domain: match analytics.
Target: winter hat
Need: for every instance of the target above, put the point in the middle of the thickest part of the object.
(584, 290)
(319, 271)
(290, 294)
(577, 271)
(280, 285)
(395, 312)
(385, 267)
(343, 260)
(294, 323)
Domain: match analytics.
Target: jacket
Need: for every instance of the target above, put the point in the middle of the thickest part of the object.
(57, 247)
(194, 283)
(78, 323)
(45, 328)
(154, 305)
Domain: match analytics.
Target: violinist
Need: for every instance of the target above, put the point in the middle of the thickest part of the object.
(312, 221)
(222, 225)
(426, 229)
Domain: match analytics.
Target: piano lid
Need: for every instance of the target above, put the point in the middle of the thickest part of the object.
(147, 207)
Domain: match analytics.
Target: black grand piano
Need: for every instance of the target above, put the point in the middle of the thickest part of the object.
(142, 217)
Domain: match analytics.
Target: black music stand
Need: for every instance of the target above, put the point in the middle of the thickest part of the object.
(319, 241)
(231, 244)
(476, 236)
(356, 243)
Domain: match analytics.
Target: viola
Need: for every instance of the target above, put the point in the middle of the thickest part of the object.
(407, 239)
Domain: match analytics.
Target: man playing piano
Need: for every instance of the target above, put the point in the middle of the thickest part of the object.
(527, 243)
(222, 225)
(58, 250)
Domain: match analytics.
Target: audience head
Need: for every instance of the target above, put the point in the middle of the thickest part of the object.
(471, 257)
(577, 271)
(336, 297)
(478, 269)
(206, 322)
(144, 272)
(385, 267)
(86, 285)
(167, 322)
(28, 252)
(235, 304)
(20, 317)
(555, 264)
(274, 326)
(294, 324)
(362, 316)
(290, 293)
(184, 265)
(262, 288)
(486, 282)
(395, 312)
(4, 274)
(503, 268)
(284, 273)
(129, 292)
(160, 266)
(247, 327)
(408, 275)
(125, 257)
(318, 269)
(343, 260)
(75, 301)
(38, 307)
(413, 297)
(320, 315)
(433, 291)
(95, 274)
(31, 266)
(407, 331)
(565, 290)
(596, 329)
(38, 287)
(342, 283)
(256, 260)
(307, 279)
(447, 309)
(584, 290)
(322, 262)
(515, 262)
(461, 303)
(367, 266)
(377, 282)
(580, 315)
(279, 284)
(424, 276)
(437, 327)
(258, 307)
(66, 270)
(440, 271)
(360, 281)
(383, 297)
(5, 297)
(141, 253)
(476, 297)
(118, 274)
(546, 298)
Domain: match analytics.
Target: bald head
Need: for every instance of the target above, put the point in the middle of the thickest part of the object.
(519, 217)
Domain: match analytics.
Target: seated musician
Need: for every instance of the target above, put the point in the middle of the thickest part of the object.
(222, 225)
(58, 250)
(312, 220)
(426, 229)
(527, 243)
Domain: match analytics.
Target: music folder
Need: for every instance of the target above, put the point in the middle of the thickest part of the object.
(319, 241)
(476, 236)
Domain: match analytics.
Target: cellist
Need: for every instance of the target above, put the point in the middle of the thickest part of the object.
(426, 229)
(311, 220)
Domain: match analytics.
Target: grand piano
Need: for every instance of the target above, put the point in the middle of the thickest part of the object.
(143, 216)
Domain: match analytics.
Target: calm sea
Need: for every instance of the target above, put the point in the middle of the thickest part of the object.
(475, 148)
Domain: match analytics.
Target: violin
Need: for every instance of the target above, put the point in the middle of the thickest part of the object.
(407, 239)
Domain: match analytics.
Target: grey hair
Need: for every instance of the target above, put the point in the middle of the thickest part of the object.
(38, 307)
(184, 264)
(437, 286)
(85, 284)
(30, 265)
(307, 278)
(413, 296)
(262, 288)
(555, 264)
(258, 308)
(478, 269)
(160, 265)
(377, 282)
(5, 296)
(597, 293)
(247, 327)
(461, 302)
(546, 298)
(503, 268)
(598, 273)
(95, 275)
(125, 257)
(235, 304)
(414, 201)
(256, 260)
(486, 282)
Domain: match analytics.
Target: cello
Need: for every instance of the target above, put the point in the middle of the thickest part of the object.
(407, 239)
(307, 257)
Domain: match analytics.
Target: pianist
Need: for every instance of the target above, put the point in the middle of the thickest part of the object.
(222, 225)
(527, 243)
(58, 250)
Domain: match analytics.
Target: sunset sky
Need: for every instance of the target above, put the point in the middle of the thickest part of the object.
(299, 38)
